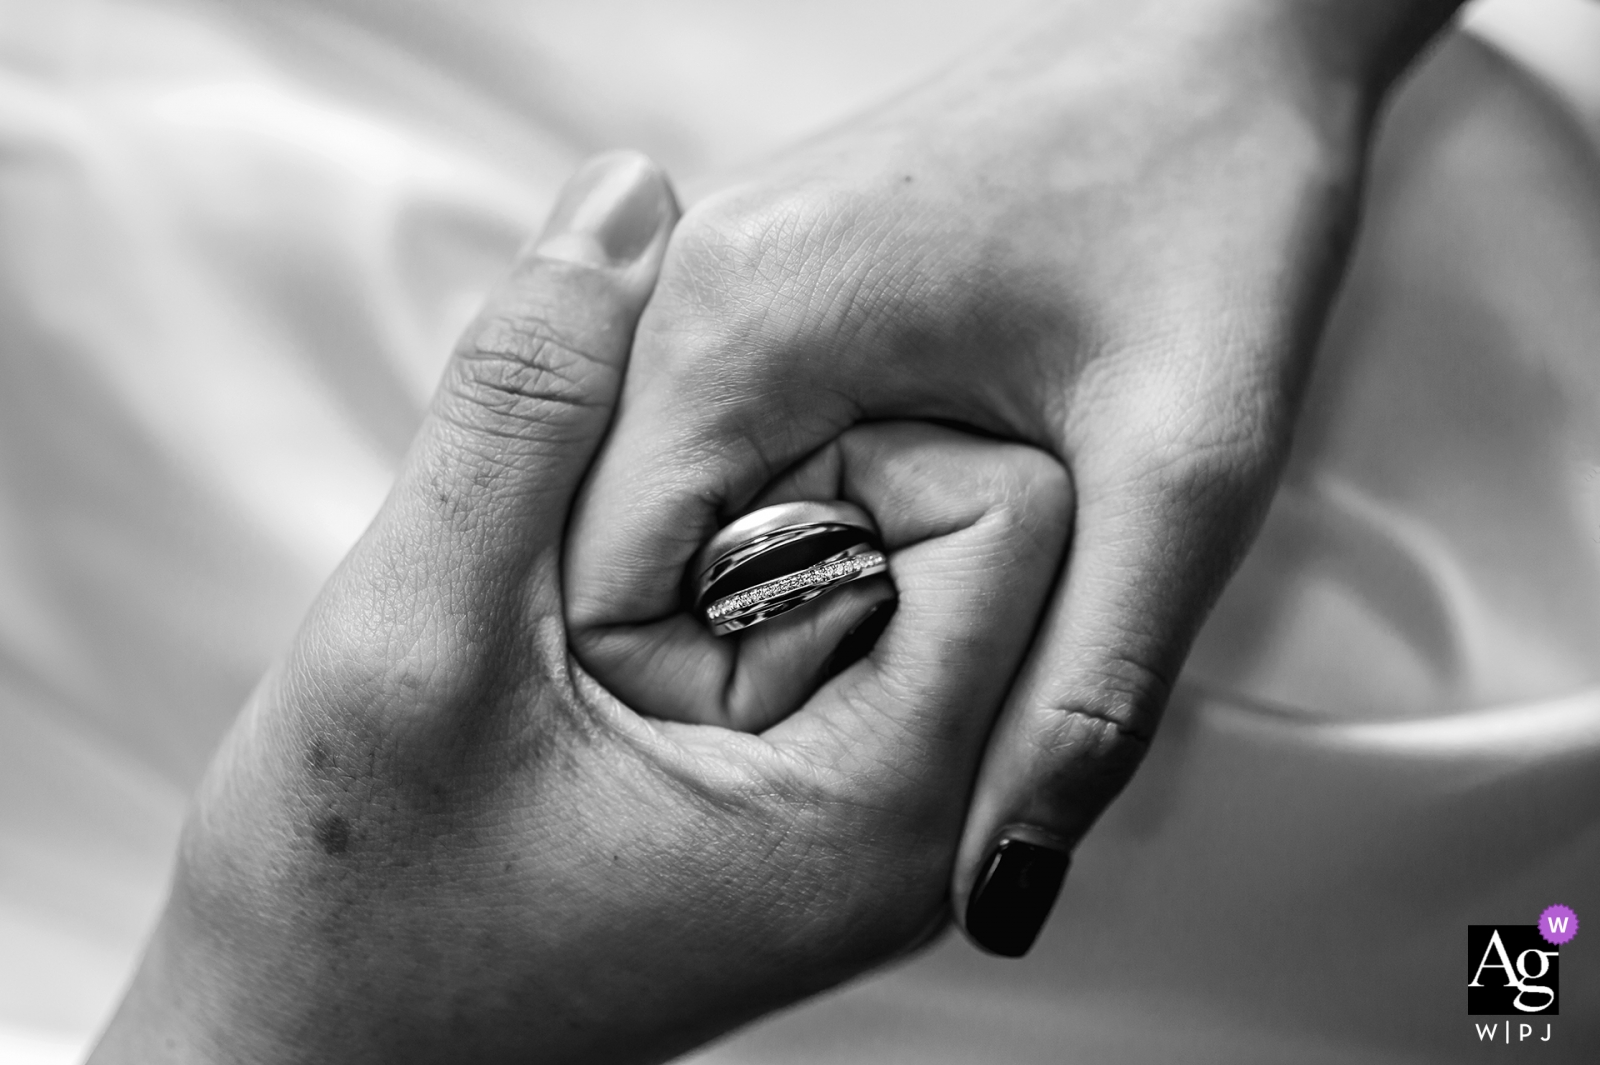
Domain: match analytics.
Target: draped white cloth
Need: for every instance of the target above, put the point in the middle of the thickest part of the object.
(237, 236)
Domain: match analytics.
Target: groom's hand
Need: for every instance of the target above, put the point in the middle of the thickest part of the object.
(1116, 237)
(432, 838)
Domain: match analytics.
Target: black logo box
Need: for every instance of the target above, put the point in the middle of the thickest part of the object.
(1533, 976)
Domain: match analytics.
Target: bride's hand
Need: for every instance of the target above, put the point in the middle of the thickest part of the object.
(1113, 234)
(432, 837)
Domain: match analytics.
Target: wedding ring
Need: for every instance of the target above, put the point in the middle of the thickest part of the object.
(777, 558)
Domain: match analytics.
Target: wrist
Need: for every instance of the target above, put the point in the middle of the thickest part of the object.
(1338, 46)
(1365, 44)
(1327, 54)
(194, 999)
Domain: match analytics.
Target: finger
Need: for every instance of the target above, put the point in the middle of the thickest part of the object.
(788, 658)
(675, 668)
(1149, 553)
(718, 404)
(977, 529)
(944, 502)
(530, 389)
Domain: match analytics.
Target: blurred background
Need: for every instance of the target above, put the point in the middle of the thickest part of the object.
(237, 238)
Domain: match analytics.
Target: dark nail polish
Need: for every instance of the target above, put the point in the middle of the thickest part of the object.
(608, 213)
(860, 639)
(1015, 890)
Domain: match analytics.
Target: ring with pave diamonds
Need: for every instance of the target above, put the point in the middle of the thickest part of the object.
(777, 558)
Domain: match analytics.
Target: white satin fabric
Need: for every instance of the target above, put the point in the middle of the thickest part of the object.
(236, 239)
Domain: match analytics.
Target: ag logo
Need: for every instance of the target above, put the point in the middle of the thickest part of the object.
(1511, 969)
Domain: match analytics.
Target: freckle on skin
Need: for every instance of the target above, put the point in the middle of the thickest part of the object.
(317, 755)
(333, 834)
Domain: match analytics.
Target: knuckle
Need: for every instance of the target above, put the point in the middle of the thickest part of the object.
(719, 240)
(723, 229)
(714, 301)
(748, 251)
(1035, 491)
(518, 372)
(1092, 748)
(1024, 499)
(1221, 457)
(1188, 492)
(1087, 752)
(1111, 723)
(393, 663)
(1187, 426)
(749, 226)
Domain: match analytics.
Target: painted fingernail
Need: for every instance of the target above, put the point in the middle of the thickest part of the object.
(1015, 890)
(860, 639)
(608, 213)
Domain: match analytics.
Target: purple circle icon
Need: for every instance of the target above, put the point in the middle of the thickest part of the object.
(1558, 924)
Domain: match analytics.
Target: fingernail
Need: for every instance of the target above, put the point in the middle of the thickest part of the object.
(608, 212)
(1015, 890)
(860, 639)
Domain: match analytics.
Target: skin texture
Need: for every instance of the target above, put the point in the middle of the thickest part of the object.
(432, 837)
(1115, 236)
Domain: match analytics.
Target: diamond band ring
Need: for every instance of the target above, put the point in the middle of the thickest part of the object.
(808, 582)
(777, 558)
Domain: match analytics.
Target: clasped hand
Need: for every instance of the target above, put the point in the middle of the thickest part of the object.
(434, 836)
(504, 800)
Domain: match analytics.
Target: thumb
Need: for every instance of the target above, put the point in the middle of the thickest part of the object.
(530, 389)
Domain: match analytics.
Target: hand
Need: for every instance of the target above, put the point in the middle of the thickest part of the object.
(1114, 236)
(432, 838)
